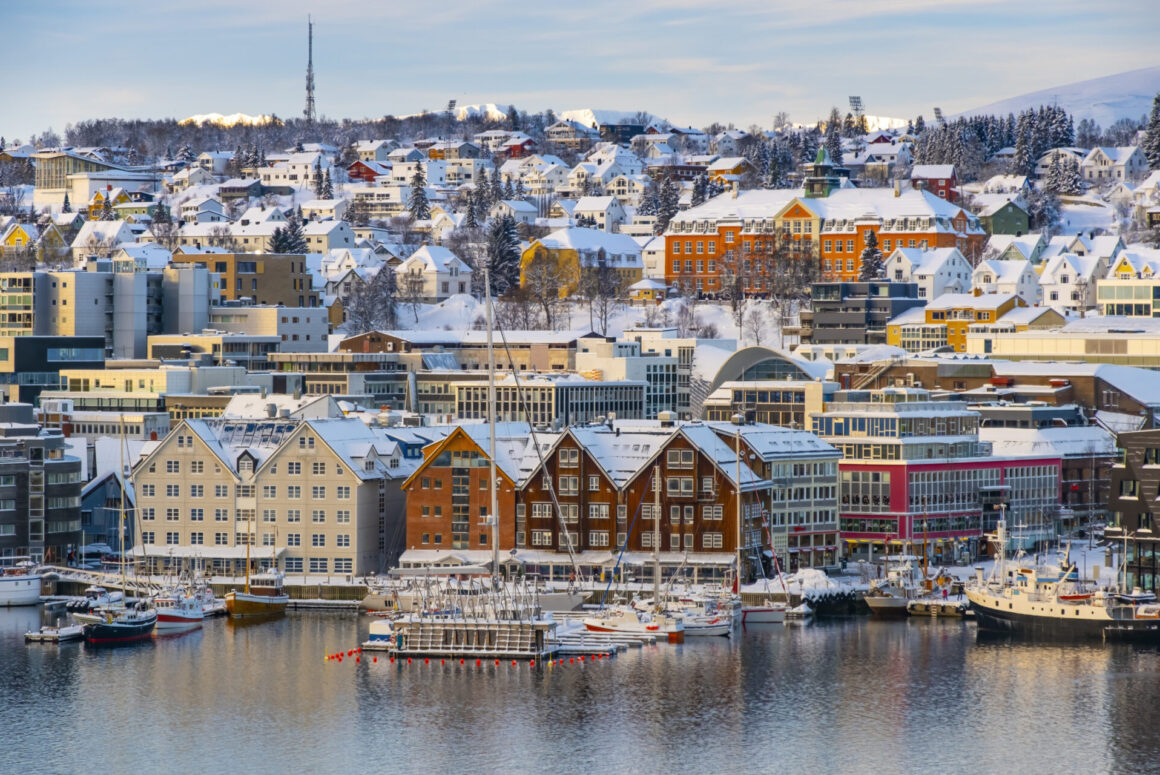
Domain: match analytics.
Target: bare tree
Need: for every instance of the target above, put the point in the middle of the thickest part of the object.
(221, 237)
(372, 304)
(516, 310)
(756, 322)
(603, 288)
(544, 278)
(412, 291)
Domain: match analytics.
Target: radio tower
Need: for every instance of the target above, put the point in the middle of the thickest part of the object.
(309, 112)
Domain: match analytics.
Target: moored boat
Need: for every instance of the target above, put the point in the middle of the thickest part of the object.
(766, 612)
(178, 611)
(53, 633)
(122, 625)
(20, 584)
(262, 596)
(624, 619)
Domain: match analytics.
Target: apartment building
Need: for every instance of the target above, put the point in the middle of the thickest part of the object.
(264, 278)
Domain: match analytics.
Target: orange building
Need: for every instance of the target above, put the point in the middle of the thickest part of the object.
(704, 242)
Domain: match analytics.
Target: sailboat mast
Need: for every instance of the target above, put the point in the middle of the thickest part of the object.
(121, 521)
(737, 450)
(656, 542)
(493, 508)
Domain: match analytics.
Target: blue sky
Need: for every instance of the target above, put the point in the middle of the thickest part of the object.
(691, 61)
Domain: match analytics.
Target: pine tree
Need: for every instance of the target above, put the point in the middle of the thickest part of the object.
(834, 144)
(1151, 144)
(107, 208)
(503, 254)
(316, 179)
(919, 125)
(700, 188)
(418, 206)
(327, 186)
(294, 241)
(277, 242)
(519, 189)
(508, 191)
(513, 119)
(1024, 162)
(1053, 181)
(66, 207)
(1070, 181)
(471, 219)
(650, 199)
(872, 266)
(668, 204)
(495, 193)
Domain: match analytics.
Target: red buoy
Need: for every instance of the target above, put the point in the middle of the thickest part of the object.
(408, 660)
(375, 660)
(532, 663)
(358, 659)
(426, 660)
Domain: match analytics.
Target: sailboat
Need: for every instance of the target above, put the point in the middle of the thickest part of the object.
(263, 595)
(120, 624)
(626, 619)
(501, 621)
(767, 611)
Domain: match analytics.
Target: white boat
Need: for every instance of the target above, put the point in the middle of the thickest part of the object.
(767, 612)
(177, 610)
(56, 633)
(703, 625)
(890, 596)
(210, 605)
(625, 620)
(20, 584)
(95, 597)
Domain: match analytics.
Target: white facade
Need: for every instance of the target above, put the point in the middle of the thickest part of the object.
(301, 329)
(433, 273)
(1015, 277)
(936, 271)
(1068, 281)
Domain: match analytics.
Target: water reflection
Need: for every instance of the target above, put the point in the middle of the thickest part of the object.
(854, 695)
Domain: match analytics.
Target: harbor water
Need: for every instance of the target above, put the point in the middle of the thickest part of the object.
(844, 696)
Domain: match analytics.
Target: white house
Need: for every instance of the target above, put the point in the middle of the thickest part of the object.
(1068, 281)
(100, 239)
(521, 211)
(374, 150)
(1064, 154)
(935, 271)
(1105, 246)
(323, 209)
(433, 273)
(1104, 164)
(1017, 277)
(215, 162)
(324, 236)
(203, 209)
(191, 176)
(605, 211)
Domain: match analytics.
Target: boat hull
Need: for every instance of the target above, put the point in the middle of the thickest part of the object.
(173, 622)
(119, 632)
(19, 590)
(887, 607)
(672, 636)
(240, 604)
(763, 615)
(708, 630)
(1076, 622)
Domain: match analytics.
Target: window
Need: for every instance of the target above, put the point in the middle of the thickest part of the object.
(293, 539)
(569, 458)
(711, 540)
(318, 539)
(541, 538)
(147, 514)
(318, 469)
(197, 538)
(318, 565)
(318, 492)
(294, 469)
(680, 485)
(172, 515)
(148, 537)
(221, 491)
(196, 467)
(342, 540)
(598, 538)
(148, 490)
(269, 515)
(173, 466)
(293, 491)
(305, 442)
(598, 511)
(318, 516)
(681, 458)
(173, 491)
(269, 491)
(569, 485)
(345, 564)
(594, 484)
(293, 515)
(197, 515)
(221, 515)
(293, 565)
(343, 492)
(173, 537)
(342, 516)
(244, 490)
(221, 539)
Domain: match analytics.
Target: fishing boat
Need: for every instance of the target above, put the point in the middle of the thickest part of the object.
(890, 596)
(210, 605)
(262, 596)
(1029, 602)
(177, 610)
(19, 583)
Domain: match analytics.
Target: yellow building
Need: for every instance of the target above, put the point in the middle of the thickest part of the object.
(116, 196)
(565, 252)
(952, 313)
(266, 278)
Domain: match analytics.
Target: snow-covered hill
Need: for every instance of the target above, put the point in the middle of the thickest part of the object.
(230, 120)
(490, 111)
(589, 116)
(1124, 95)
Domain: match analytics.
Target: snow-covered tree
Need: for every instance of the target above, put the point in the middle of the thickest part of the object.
(700, 190)
(872, 267)
(107, 208)
(1150, 147)
(418, 205)
(503, 254)
(373, 304)
(327, 186)
(470, 217)
(66, 206)
(289, 238)
(668, 203)
(834, 143)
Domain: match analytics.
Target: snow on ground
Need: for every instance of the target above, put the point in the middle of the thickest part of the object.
(1078, 215)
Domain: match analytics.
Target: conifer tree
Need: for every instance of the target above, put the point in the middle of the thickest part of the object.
(700, 188)
(668, 204)
(294, 241)
(508, 191)
(1151, 144)
(470, 218)
(834, 144)
(495, 193)
(107, 207)
(418, 206)
(503, 254)
(872, 267)
(327, 186)
(66, 207)
(316, 179)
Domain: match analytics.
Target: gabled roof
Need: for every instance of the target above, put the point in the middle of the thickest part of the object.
(926, 171)
(438, 259)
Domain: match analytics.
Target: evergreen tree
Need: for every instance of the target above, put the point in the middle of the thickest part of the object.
(508, 191)
(519, 189)
(872, 267)
(1053, 181)
(503, 254)
(650, 199)
(495, 193)
(1024, 162)
(1070, 181)
(277, 241)
(107, 208)
(161, 214)
(327, 186)
(513, 119)
(316, 179)
(418, 206)
(834, 144)
(700, 189)
(66, 207)
(668, 204)
(294, 241)
(471, 218)
(919, 125)
(1151, 144)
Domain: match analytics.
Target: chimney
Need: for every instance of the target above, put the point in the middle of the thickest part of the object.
(734, 189)
(271, 411)
(897, 187)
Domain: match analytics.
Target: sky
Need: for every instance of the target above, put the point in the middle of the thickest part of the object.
(690, 61)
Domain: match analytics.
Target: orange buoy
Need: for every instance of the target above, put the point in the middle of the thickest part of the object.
(478, 662)
(497, 661)
(461, 660)
(532, 663)
(513, 663)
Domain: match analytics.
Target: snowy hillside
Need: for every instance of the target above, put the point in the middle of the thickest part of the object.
(588, 116)
(230, 120)
(489, 111)
(1124, 95)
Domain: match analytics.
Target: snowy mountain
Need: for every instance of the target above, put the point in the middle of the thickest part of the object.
(1124, 95)
(588, 116)
(489, 111)
(226, 121)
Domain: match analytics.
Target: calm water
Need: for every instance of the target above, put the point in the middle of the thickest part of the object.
(856, 696)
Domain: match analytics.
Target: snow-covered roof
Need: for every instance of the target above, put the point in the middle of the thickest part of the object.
(436, 258)
(1004, 271)
(1064, 442)
(928, 171)
(988, 301)
(590, 240)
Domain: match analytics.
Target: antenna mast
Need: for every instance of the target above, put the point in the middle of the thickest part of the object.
(309, 113)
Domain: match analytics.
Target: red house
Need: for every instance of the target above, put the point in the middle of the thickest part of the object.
(939, 179)
(367, 171)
